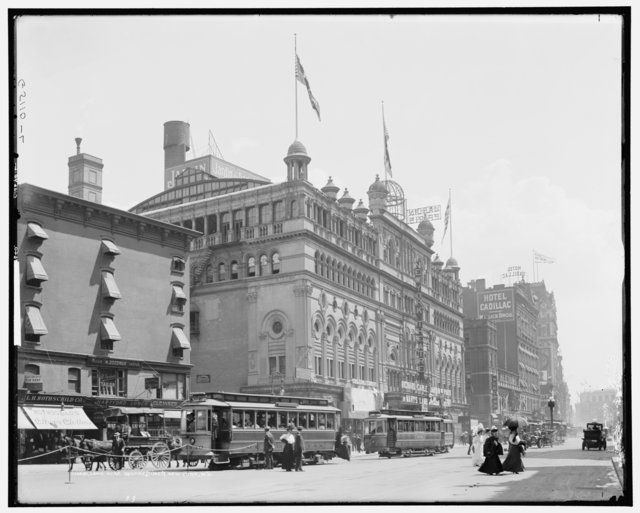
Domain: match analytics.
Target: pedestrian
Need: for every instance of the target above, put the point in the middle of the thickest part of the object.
(492, 449)
(298, 449)
(358, 442)
(287, 450)
(477, 446)
(513, 461)
(117, 448)
(269, 444)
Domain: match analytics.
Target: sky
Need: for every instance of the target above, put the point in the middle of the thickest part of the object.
(518, 116)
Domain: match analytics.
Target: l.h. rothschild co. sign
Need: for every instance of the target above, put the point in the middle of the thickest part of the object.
(496, 305)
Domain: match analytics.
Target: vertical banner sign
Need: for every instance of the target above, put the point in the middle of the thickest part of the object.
(496, 305)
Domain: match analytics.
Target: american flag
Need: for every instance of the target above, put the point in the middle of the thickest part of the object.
(387, 159)
(302, 78)
(447, 212)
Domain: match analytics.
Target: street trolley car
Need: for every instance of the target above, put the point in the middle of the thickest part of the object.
(150, 434)
(405, 433)
(227, 429)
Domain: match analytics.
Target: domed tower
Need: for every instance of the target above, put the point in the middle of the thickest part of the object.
(297, 161)
(452, 267)
(377, 196)
(426, 229)
(437, 263)
(396, 203)
(346, 201)
(331, 189)
(361, 211)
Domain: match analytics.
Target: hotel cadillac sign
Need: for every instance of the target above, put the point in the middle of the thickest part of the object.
(496, 305)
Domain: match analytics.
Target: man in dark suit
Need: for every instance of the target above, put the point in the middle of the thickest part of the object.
(492, 450)
(298, 449)
(269, 444)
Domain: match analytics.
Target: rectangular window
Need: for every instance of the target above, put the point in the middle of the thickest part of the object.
(282, 365)
(93, 177)
(318, 368)
(341, 373)
(109, 382)
(74, 381)
(173, 386)
(362, 374)
(194, 322)
(273, 365)
(352, 371)
(330, 371)
(372, 376)
(265, 214)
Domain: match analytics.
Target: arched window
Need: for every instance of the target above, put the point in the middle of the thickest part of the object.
(264, 265)
(317, 262)
(73, 380)
(251, 266)
(234, 270)
(275, 263)
(339, 274)
(333, 270)
(222, 271)
(278, 209)
(293, 209)
(322, 264)
(208, 275)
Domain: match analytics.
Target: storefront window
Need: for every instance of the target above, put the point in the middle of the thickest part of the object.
(173, 386)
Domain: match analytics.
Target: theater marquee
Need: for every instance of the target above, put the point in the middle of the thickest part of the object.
(496, 305)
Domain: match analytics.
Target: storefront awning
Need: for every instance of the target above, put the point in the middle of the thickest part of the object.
(34, 325)
(56, 417)
(179, 340)
(126, 410)
(23, 421)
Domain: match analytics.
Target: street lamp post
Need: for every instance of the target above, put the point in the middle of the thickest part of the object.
(551, 404)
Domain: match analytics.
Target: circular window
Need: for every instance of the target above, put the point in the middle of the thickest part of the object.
(316, 326)
(276, 327)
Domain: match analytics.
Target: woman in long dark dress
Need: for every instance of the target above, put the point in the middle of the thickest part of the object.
(287, 451)
(513, 461)
(492, 450)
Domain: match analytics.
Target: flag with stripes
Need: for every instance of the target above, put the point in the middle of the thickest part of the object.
(387, 159)
(447, 213)
(302, 78)
(541, 259)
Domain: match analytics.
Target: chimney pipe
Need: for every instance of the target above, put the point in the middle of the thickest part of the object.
(78, 141)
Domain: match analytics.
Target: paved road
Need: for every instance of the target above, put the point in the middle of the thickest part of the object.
(555, 474)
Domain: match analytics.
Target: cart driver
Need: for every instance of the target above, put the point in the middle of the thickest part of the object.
(144, 432)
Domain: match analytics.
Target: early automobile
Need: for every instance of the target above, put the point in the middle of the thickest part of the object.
(594, 437)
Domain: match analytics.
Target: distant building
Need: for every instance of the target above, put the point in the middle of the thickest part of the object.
(597, 406)
(295, 289)
(103, 304)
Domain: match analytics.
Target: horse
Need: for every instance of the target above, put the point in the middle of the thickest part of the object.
(174, 443)
(70, 450)
(95, 451)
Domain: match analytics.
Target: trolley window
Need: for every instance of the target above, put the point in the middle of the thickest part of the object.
(272, 419)
(331, 422)
(313, 417)
(250, 420)
(322, 421)
(376, 427)
(237, 420)
(282, 420)
(203, 420)
(302, 420)
(261, 419)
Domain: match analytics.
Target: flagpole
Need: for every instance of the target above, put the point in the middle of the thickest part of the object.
(533, 264)
(295, 76)
(384, 141)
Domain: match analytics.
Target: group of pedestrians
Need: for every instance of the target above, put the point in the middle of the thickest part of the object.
(486, 450)
(292, 451)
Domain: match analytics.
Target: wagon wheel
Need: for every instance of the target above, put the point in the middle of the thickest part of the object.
(137, 461)
(160, 455)
(115, 462)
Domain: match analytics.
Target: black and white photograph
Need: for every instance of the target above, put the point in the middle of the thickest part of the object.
(319, 256)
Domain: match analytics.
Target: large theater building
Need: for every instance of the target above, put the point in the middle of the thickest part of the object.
(102, 316)
(294, 290)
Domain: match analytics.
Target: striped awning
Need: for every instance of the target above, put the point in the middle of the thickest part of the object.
(108, 330)
(178, 293)
(35, 230)
(23, 420)
(109, 287)
(109, 247)
(179, 340)
(35, 269)
(34, 325)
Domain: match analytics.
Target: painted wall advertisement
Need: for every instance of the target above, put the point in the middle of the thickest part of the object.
(496, 305)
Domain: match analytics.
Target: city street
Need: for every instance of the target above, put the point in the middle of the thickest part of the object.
(561, 473)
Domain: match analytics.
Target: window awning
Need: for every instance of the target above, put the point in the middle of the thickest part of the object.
(35, 269)
(172, 414)
(23, 420)
(128, 410)
(178, 293)
(108, 330)
(56, 417)
(35, 230)
(109, 287)
(109, 247)
(179, 340)
(34, 325)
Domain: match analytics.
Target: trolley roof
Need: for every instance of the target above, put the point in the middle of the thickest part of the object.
(375, 416)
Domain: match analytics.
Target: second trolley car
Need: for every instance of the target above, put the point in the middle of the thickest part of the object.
(228, 429)
(406, 433)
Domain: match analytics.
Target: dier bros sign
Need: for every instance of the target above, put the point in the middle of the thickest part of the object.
(496, 305)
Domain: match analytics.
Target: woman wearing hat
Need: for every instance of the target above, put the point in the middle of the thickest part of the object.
(478, 442)
(492, 449)
(287, 451)
(513, 461)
